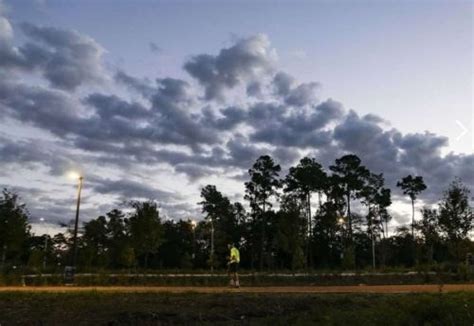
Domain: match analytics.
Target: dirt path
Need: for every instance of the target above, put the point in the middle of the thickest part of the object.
(270, 289)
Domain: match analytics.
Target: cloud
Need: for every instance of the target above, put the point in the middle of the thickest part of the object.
(129, 189)
(154, 48)
(109, 106)
(279, 126)
(66, 58)
(239, 64)
(31, 154)
(177, 125)
(292, 93)
(141, 86)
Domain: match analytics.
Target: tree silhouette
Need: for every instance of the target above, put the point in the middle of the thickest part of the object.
(304, 179)
(146, 230)
(455, 216)
(14, 227)
(350, 175)
(262, 186)
(377, 199)
(221, 215)
(412, 186)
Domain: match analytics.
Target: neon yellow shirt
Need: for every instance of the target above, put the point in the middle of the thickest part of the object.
(234, 255)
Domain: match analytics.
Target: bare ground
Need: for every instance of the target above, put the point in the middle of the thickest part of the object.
(422, 288)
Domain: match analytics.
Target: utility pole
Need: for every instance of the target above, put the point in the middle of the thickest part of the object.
(76, 223)
(45, 251)
(212, 246)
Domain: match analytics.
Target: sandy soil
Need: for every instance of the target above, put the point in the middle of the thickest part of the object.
(270, 289)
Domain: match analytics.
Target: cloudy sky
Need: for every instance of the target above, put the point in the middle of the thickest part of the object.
(154, 99)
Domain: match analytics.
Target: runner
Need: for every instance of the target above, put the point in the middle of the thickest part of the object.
(233, 265)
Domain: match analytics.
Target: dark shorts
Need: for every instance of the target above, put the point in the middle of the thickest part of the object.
(233, 267)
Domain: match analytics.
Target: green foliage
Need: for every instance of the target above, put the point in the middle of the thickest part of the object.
(146, 230)
(14, 227)
(263, 185)
(455, 214)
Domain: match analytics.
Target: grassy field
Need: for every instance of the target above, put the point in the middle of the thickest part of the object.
(250, 279)
(97, 308)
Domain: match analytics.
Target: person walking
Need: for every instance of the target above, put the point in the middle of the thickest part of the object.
(233, 265)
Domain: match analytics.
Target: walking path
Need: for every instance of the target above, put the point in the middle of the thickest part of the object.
(428, 288)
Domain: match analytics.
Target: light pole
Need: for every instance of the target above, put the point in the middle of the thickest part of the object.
(193, 227)
(76, 223)
(212, 246)
(69, 271)
(45, 253)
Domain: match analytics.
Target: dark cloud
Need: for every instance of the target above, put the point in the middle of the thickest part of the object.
(254, 89)
(240, 63)
(292, 93)
(172, 126)
(48, 109)
(397, 155)
(67, 59)
(279, 126)
(227, 120)
(142, 86)
(154, 48)
(195, 171)
(109, 106)
(32, 154)
(130, 189)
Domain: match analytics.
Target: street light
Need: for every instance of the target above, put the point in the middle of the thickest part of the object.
(45, 257)
(70, 270)
(193, 227)
(212, 245)
(76, 223)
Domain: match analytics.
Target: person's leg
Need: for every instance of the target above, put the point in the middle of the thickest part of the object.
(236, 276)
(231, 275)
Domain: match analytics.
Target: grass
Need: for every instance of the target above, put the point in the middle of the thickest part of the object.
(221, 279)
(94, 308)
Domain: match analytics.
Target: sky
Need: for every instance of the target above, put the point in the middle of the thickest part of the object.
(155, 99)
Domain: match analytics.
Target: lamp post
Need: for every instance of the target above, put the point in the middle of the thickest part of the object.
(193, 227)
(76, 223)
(212, 246)
(45, 252)
(69, 271)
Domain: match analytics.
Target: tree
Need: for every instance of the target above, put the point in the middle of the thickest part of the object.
(14, 227)
(377, 198)
(350, 175)
(222, 215)
(146, 230)
(429, 229)
(176, 250)
(455, 215)
(263, 185)
(290, 234)
(304, 179)
(95, 241)
(118, 240)
(412, 186)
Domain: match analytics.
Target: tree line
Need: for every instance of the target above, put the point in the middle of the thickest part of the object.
(304, 220)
